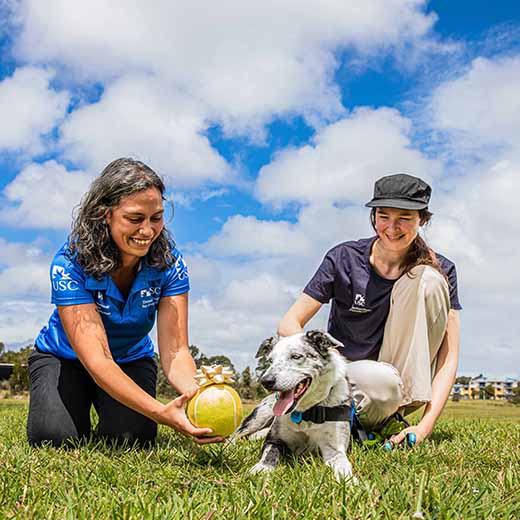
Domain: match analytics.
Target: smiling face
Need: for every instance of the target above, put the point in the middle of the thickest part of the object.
(396, 228)
(135, 223)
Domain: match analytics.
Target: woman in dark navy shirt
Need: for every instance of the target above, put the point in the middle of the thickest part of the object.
(394, 307)
(117, 271)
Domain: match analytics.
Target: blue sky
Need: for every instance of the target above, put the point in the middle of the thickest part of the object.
(269, 122)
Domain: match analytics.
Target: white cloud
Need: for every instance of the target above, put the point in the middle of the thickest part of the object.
(235, 334)
(13, 253)
(482, 105)
(476, 224)
(42, 196)
(29, 108)
(22, 319)
(282, 243)
(265, 293)
(344, 159)
(245, 61)
(24, 269)
(25, 289)
(477, 221)
(204, 272)
(249, 236)
(142, 118)
(26, 279)
(477, 214)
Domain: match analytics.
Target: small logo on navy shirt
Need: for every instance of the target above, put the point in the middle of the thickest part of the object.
(359, 304)
(61, 280)
(359, 300)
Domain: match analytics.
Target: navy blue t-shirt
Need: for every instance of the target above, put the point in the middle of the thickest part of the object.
(360, 297)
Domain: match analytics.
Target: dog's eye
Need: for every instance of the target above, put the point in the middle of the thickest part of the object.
(296, 356)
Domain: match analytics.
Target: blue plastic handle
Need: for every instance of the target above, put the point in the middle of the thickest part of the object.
(411, 439)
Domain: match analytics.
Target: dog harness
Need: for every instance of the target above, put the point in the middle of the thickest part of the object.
(320, 414)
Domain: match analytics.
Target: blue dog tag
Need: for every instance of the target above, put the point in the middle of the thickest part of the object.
(296, 417)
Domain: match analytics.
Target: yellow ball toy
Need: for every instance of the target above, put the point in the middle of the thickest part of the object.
(216, 405)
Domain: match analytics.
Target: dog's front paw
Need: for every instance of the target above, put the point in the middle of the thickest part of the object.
(342, 469)
(259, 467)
(345, 473)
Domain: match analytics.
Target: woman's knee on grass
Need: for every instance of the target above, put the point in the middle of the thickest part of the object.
(43, 430)
(141, 434)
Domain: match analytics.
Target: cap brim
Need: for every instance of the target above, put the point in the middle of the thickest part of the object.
(395, 203)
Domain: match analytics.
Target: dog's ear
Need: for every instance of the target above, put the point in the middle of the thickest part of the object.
(266, 347)
(322, 341)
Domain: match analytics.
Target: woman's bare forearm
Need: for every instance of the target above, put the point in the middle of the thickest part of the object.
(172, 333)
(179, 370)
(295, 319)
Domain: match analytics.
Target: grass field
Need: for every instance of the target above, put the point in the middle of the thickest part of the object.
(470, 470)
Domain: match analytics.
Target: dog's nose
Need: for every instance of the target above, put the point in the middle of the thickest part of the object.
(268, 382)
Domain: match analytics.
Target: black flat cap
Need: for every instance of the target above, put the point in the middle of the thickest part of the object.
(401, 191)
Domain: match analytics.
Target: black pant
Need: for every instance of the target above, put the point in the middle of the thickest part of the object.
(62, 393)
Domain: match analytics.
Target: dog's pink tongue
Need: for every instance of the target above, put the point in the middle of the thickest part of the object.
(284, 403)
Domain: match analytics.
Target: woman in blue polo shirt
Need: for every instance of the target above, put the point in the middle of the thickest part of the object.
(117, 271)
(394, 307)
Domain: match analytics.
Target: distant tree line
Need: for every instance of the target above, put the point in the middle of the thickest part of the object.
(18, 381)
(246, 382)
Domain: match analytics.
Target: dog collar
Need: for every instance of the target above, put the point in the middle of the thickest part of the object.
(321, 414)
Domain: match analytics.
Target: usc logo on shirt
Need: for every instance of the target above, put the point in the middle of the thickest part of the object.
(61, 280)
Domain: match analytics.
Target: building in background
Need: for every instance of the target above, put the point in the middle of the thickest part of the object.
(482, 387)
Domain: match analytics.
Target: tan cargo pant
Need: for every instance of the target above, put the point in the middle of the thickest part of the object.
(414, 331)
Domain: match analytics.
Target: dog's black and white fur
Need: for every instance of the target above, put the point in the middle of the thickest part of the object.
(304, 370)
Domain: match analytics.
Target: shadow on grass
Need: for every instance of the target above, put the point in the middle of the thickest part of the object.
(442, 436)
(218, 456)
(12, 404)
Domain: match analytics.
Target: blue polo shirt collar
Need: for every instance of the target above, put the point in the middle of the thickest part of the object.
(145, 275)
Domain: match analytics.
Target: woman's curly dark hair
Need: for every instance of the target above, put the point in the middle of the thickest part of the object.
(90, 242)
